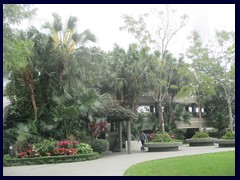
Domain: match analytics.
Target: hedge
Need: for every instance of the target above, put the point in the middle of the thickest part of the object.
(49, 160)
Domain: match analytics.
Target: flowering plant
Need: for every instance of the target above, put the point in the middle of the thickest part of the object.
(22, 154)
(65, 151)
(67, 144)
(96, 129)
(151, 136)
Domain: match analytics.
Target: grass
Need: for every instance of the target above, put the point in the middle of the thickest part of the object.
(211, 164)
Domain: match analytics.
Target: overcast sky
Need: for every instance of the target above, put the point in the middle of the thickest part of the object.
(104, 20)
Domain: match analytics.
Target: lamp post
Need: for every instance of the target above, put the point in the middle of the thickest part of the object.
(11, 151)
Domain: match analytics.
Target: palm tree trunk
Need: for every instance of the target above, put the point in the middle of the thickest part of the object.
(34, 105)
(60, 68)
(28, 79)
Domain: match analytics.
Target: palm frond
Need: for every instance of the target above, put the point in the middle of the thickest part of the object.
(57, 22)
(72, 22)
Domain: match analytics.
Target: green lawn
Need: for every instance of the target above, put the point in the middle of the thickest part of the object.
(212, 164)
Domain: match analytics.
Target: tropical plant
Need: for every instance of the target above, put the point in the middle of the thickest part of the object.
(84, 148)
(162, 137)
(216, 115)
(98, 128)
(99, 145)
(66, 40)
(200, 135)
(229, 135)
(45, 146)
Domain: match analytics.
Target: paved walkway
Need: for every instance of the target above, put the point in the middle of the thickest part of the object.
(113, 164)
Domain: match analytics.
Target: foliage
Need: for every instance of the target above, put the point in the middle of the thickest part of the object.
(6, 157)
(151, 136)
(83, 136)
(9, 138)
(28, 153)
(45, 146)
(144, 121)
(67, 144)
(116, 113)
(49, 160)
(96, 129)
(177, 134)
(65, 151)
(200, 135)
(162, 137)
(99, 145)
(213, 133)
(229, 135)
(216, 110)
(84, 148)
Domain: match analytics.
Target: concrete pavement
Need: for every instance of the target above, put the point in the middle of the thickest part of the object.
(113, 164)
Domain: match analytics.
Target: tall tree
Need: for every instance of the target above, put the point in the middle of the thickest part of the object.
(181, 77)
(201, 84)
(66, 40)
(165, 30)
(17, 54)
(221, 67)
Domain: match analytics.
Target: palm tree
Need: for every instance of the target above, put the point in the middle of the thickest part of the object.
(19, 59)
(66, 40)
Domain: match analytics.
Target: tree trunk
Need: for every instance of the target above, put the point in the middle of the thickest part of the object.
(34, 105)
(60, 68)
(200, 117)
(160, 116)
(230, 114)
(171, 110)
(28, 79)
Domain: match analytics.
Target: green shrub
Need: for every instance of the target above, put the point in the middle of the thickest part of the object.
(6, 156)
(200, 135)
(9, 138)
(213, 133)
(84, 148)
(178, 134)
(45, 146)
(99, 145)
(49, 160)
(162, 137)
(229, 135)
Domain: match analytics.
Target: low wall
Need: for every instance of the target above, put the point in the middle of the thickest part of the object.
(160, 147)
(226, 142)
(201, 142)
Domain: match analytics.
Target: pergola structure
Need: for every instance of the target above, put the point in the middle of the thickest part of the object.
(119, 114)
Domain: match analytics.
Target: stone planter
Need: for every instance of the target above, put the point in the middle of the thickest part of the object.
(164, 146)
(201, 142)
(226, 142)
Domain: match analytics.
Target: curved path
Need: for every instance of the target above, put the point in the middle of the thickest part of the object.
(113, 164)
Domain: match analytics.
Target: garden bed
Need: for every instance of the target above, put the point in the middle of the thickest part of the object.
(163, 146)
(226, 142)
(201, 142)
(49, 160)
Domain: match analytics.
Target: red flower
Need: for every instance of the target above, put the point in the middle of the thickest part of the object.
(22, 154)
